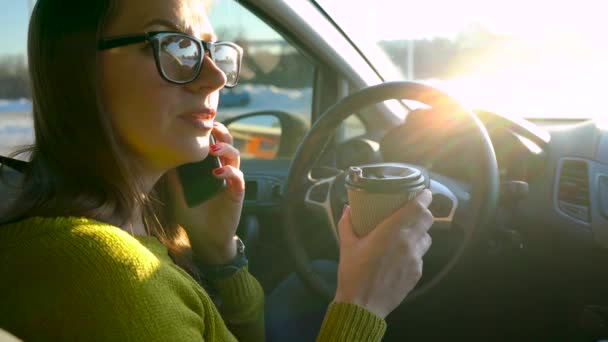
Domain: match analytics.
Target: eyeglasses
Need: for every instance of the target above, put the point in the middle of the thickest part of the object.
(179, 56)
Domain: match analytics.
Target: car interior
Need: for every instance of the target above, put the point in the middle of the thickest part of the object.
(520, 239)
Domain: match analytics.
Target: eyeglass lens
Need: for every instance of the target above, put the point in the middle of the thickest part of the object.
(180, 56)
(227, 59)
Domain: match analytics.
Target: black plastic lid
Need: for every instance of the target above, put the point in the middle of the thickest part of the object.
(385, 178)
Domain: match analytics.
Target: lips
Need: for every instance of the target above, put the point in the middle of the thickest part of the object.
(201, 119)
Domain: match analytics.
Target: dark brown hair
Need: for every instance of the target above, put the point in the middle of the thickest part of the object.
(77, 167)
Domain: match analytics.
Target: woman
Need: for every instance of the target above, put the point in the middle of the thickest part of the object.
(100, 244)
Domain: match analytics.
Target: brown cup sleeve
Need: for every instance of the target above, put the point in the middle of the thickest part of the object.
(370, 209)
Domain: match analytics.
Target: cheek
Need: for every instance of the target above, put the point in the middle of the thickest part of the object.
(137, 99)
(144, 111)
(130, 83)
(214, 99)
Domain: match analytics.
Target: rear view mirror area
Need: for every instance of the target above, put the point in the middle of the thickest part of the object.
(266, 134)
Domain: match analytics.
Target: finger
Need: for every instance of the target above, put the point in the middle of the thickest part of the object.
(424, 244)
(235, 181)
(412, 215)
(228, 154)
(346, 232)
(423, 221)
(425, 197)
(222, 133)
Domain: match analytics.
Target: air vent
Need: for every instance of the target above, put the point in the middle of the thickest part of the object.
(573, 189)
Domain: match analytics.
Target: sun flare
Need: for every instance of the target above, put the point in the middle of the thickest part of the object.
(525, 58)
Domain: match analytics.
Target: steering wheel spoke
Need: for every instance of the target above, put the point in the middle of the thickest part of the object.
(443, 207)
(318, 199)
(451, 203)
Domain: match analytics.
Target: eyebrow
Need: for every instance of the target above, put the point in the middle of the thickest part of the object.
(167, 23)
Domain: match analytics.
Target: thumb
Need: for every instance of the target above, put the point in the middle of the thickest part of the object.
(345, 227)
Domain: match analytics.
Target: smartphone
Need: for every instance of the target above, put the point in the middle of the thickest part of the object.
(197, 180)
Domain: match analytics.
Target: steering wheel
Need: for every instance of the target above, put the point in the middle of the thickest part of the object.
(468, 206)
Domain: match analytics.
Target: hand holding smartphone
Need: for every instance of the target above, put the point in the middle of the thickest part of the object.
(197, 181)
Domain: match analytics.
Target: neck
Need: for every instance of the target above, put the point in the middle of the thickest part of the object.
(148, 176)
(135, 225)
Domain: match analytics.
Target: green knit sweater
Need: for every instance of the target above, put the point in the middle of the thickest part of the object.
(78, 279)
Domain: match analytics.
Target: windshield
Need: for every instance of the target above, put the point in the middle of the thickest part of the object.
(535, 59)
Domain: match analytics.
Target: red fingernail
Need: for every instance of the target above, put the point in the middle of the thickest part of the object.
(215, 148)
(218, 171)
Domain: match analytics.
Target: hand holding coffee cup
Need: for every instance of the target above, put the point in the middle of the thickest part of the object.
(378, 271)
(376, 191)
(383, 236)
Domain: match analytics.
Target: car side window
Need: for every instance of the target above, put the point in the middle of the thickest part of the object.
(351, 127)
(16, 124)
(274, 76)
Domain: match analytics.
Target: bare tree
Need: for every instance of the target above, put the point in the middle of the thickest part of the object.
(14, 78)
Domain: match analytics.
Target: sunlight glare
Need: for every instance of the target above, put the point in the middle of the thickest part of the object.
(551, 60)
(529, 144)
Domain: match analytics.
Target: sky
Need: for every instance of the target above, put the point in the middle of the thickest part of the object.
(14, 17)
(424, 19)
(558, 67)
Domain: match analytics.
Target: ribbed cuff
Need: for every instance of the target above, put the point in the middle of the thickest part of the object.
(239, 290)
(350, 322)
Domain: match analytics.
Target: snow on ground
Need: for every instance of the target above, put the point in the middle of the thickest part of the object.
(15, 106)
(15, 131)
(267, 97)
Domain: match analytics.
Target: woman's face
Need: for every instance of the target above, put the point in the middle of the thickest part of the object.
(161, 125)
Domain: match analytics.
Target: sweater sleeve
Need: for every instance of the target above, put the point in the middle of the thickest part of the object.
(102, 288)
(349, 322)
(242, 305)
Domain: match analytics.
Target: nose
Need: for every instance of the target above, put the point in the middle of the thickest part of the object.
(210, 77)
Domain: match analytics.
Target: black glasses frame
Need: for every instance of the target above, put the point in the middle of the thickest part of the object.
(155, 37)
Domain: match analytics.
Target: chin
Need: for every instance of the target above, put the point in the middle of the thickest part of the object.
(198, 153)
(186, 154)
(185, 150)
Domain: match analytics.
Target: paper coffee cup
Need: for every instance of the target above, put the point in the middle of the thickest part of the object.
(376, 191)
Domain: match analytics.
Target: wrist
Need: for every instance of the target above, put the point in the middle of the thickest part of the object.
(339, 298)
(220, 270)
(215, 254)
